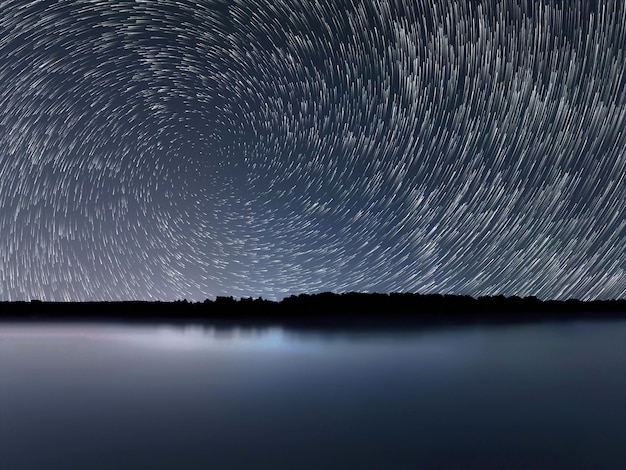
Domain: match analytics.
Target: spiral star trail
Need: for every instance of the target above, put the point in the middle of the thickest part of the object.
(174, 149)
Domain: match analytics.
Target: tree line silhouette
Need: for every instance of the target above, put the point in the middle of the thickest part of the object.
(326, 308)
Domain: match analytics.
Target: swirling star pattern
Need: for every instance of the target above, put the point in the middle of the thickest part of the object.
(175, 149)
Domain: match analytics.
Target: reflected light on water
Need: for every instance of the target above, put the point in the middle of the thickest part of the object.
(147, 396)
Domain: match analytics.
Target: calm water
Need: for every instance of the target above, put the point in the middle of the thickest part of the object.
(159, 397)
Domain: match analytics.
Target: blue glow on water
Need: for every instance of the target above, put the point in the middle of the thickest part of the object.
(160, 397)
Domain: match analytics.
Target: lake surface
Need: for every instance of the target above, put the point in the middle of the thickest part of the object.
(102, 396)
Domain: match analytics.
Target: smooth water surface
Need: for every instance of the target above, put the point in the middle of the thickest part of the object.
(161, 397)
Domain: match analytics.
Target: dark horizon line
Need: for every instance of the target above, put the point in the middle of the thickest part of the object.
(326, 311)
(221, 298)
(323, 304)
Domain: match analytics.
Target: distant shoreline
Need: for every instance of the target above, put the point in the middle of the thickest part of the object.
(324, 310)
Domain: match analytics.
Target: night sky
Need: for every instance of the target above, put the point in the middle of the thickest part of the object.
(163, 150)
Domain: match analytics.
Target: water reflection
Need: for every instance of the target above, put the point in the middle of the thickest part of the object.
(161, 396)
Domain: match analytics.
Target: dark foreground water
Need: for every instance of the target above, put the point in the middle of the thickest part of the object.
(158, 397)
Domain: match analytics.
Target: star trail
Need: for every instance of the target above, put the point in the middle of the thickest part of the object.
(162, 150)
